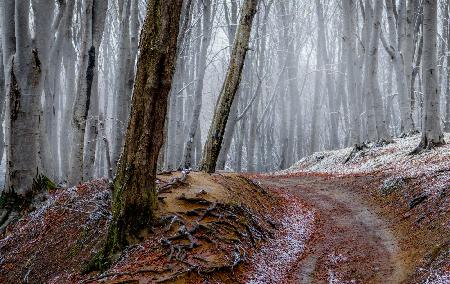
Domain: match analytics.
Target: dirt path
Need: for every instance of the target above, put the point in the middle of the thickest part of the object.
(351, 244)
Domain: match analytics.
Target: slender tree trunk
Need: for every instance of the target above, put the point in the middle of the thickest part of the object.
(201, 69)
(334, 118)
(230, 87)
(134, 194)
(408, 53)
(231, 20)
(397, 40)
(228, 135)
(2, 96)
(122, 96)
(447, 86)
(255, 108)
(314, 136)
(350, 46)
(376, 102)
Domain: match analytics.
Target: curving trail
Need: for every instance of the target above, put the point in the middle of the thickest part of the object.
(350, 243)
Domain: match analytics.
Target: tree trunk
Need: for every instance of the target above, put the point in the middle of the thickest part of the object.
(447, 86)
(122, 96)
(230, 87)
(251, 167)
(397, 39)
(24, 100)
(376, 102)
(82, 101)
(92, 123)
(432, 134)
(350, 46)
(332, 105)
(201, 69)
(134, 194)
(2, 96)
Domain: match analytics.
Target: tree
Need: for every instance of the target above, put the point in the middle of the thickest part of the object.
(432, 134)
(134, 193)
(201, 69)
(23, 83)
(229, 88)
(447, 89)
(397, 38)
(374, 95)
(93, 21)
(350, 55)
(322, 48)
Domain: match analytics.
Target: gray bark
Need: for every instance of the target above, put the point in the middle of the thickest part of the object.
(432, 134)
(24, 100)
(397, 40)
(334, 119)
(122, 96)
(350, 46)
(375, 99)
(92, 123)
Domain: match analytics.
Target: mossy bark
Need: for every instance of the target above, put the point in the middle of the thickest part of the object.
(230, 87)
(134, 192)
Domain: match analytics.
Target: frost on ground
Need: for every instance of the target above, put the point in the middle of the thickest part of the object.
(272, 262)
(431, 166)
(58, 237)
(437, 278)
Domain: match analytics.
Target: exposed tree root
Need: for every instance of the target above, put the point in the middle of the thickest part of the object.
(356, 149)
(194, 200)
(409, 134)
(231, 229)
(174, 182)
(8, 217)
(425, 145)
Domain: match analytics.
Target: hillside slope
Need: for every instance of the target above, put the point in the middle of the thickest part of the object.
(410, 192)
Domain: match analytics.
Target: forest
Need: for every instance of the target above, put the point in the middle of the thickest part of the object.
(224, 141)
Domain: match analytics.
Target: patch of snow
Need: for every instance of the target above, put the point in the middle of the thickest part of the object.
(433, 166)
(437, 278)
(274, 260)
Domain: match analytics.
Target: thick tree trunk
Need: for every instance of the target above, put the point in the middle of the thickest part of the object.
(230, 87)
(432, 134)
(134, 195)
(48, 153)
(24, 100)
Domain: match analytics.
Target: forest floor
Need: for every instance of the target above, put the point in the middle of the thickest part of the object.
(382, 217)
